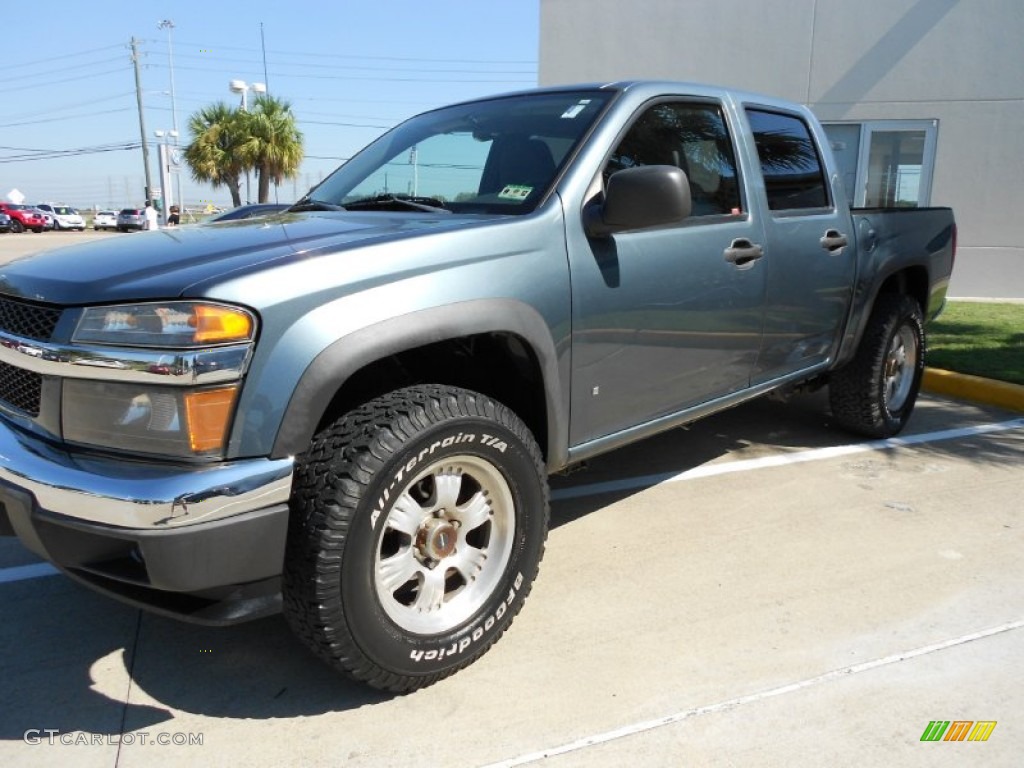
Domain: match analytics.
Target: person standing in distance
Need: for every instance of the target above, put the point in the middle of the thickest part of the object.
(151, 218)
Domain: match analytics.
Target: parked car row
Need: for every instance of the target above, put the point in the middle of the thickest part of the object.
(38, 218)
(17, 217)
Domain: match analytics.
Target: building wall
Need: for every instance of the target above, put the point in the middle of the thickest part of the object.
(956, 61)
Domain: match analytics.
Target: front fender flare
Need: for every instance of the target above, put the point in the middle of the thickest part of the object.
(333, 366)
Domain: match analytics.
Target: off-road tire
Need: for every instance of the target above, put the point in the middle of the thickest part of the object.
(421, 479)
(874, 394)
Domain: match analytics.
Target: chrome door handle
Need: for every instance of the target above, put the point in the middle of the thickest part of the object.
(742, 252)
(834, 240)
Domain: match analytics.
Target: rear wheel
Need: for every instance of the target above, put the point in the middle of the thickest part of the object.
(418, 524)
(874, 394)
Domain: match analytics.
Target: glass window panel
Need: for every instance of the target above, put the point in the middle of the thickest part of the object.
(693, 137)
(790, 163)
(895, 163)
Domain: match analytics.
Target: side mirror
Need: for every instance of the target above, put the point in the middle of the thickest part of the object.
(637, 198)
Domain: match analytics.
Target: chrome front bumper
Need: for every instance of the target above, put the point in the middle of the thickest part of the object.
(137, 495)
(204, 544)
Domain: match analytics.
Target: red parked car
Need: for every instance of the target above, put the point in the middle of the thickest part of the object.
(24, 217)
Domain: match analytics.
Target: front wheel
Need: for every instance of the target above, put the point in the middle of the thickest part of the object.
(17, 226)
(417, 528)
(874, 394)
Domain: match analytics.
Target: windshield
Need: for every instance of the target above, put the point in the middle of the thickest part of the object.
(496, 156)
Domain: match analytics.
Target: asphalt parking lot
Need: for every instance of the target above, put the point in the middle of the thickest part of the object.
(759, 589)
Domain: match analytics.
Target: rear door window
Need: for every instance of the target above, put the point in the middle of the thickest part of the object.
(790, 163)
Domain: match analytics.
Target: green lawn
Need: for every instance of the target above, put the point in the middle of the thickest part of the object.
(981, 339)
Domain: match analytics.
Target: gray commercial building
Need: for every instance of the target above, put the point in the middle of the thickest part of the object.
(923, 100)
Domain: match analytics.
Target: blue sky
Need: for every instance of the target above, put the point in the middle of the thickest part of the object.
(349, 69)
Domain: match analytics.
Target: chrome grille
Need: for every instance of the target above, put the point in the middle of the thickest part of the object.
(29, 321)
(21, 389)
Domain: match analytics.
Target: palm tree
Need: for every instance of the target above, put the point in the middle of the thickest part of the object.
(273, 144)
(215, 154)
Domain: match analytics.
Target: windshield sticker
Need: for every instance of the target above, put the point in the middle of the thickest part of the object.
(515, 192)
(575, 109)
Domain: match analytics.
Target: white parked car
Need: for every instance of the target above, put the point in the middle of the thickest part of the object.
(63, 216)
(104, 220)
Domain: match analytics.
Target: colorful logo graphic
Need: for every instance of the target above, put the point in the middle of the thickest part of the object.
(958, 730)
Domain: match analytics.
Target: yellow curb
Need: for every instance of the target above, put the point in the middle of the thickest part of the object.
(974, 388)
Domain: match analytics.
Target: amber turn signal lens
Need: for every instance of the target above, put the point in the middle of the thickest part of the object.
(208, 414)
(218, 324)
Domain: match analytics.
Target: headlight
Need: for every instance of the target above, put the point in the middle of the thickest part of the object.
(190, 418)
(169, 421)
(181, 324)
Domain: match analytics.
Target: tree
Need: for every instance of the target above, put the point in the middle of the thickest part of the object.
(273, 143)
(215, 154)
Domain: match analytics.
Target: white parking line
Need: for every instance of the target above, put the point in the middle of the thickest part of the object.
(678, 717)
(39, 570)
(781, 460)
(23, 572)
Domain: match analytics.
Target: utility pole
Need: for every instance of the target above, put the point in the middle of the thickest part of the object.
(142, 118)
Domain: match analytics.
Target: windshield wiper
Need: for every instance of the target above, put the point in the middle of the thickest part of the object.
(397, 202)
(315, 205)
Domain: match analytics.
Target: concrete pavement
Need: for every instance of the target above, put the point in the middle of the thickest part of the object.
(757, 589)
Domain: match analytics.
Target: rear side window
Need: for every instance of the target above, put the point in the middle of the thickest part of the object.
(790, 163)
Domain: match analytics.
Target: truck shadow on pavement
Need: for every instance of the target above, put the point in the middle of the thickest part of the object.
(760, 428)
(79, 662)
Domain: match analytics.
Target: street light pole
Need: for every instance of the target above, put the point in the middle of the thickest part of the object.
(242, 87)
(169, 26)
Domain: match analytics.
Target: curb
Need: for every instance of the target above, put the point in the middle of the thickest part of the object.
(974, 388)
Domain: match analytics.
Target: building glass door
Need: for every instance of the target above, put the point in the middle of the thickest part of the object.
(895, 161)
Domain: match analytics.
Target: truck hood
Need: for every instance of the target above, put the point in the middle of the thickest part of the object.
(163, 264)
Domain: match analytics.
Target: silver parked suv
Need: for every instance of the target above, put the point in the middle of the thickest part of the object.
(131, 218)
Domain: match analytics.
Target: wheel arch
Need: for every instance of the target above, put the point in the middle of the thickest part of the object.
(912, 281)
(499, 347)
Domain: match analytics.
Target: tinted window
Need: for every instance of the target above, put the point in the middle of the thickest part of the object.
(790, 164)
(689, 136)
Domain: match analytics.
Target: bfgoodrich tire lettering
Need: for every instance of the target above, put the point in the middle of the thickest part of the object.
(418, 525)
(874, 394)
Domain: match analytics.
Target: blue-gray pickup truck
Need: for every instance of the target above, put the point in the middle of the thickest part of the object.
(348, 410)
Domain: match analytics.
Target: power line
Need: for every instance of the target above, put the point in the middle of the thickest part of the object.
(43, 154)
(207, 46)
(37, 86)
(64, 69)
(49, 59)
(420, 69)
(368, 78)
(62, 107)
(65, 117)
